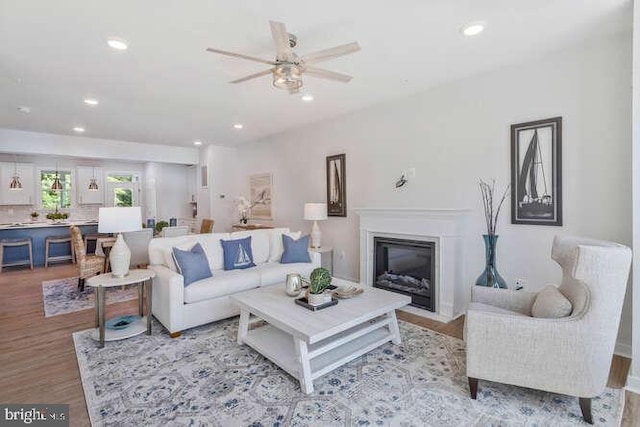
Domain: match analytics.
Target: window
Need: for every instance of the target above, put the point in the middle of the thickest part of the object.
(55, 199)
(122, 189)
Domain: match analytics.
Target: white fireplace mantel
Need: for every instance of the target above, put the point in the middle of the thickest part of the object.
(447, 228)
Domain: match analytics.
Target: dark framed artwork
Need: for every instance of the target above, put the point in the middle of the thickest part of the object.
(536, 172)
(336, 185)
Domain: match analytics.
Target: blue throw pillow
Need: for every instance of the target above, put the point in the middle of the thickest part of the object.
(295, 250)
(192, 264)
(237, 254)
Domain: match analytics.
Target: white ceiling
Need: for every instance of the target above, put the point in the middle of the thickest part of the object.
(167, 90)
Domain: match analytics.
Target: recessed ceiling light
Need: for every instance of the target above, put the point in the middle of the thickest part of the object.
(307, 98)
(117, 44)
(91, 101)
(78, 129)
(24, 109)
(238, 126)
(473, 28)
(197, 142)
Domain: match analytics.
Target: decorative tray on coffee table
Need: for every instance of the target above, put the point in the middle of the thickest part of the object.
(304, 303)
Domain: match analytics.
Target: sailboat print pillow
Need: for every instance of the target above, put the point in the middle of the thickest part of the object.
(237, 254)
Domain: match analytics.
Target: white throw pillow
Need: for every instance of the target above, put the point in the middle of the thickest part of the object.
(277, 248)
(551, 304)
(213, 249)
(260, 243)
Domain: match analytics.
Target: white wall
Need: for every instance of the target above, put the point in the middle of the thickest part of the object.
(21, 142)
(172, 191)
(224, 184)
(458, 133)
(633, 382)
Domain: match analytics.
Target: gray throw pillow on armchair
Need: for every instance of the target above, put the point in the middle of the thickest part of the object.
(551, 304)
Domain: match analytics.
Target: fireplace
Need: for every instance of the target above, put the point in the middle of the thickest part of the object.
(441, 233)
(406, 267)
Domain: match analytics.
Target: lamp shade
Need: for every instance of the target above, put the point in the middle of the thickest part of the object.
(315, 211)
(119, 220)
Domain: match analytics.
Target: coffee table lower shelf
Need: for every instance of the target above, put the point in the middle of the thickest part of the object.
(292, 354)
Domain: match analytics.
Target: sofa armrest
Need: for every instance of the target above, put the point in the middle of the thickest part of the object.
(519, 301)
(168, 297)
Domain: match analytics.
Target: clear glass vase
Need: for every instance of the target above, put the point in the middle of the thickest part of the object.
(490, 276)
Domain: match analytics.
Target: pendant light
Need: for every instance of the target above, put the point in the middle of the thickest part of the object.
(15, 183)
(57, 185)
(93, 185)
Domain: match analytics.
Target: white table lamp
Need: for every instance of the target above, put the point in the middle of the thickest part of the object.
(315, 212)
(119, 220)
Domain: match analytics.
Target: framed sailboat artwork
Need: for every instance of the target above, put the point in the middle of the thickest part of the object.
(536, 172)
(336, 185)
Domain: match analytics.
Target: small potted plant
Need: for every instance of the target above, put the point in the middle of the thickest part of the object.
(34, 216)
(319, 281)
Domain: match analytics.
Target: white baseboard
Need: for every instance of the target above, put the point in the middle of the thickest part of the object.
(623, 349)
(633, 384)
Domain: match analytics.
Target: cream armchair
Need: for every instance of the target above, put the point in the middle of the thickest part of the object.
(569, 355)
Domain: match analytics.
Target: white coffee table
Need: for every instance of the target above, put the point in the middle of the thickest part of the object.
(309, 344)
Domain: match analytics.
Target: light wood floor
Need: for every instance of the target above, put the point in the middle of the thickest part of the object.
(37, 357)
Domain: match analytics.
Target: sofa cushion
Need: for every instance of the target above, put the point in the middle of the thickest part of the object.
(260, 243)
(221, 284)
(192, 264)
(295, 250)
(277, 247)
(274, 272)
(551, 304)
(237, 254)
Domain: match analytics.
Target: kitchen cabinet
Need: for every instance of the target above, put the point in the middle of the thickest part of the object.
(25, 196)
(84, 176)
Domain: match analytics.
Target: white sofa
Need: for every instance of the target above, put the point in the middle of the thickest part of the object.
(207, 300)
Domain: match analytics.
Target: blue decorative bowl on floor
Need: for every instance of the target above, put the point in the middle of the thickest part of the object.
(121, 322)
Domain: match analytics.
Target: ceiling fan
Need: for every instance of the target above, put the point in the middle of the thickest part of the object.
(288, 67)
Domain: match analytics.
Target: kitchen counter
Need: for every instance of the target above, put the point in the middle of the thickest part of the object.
(39, 231)
(43, 224)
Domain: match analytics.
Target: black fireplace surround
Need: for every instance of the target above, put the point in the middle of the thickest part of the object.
(406, 267)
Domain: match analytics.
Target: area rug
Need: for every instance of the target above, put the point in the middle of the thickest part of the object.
(61, 296)
(204, 378)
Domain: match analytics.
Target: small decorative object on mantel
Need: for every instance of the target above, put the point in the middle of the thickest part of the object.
(319, 282)
(490, 276)
(34, 216)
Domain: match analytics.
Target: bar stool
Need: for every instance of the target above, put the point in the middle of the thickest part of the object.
(93, 237)
(14, 243)
(53, 240)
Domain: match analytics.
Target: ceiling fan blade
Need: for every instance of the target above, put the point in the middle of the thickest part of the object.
(239, 55)
(326, 74)
(334, 52)
(253, 76)
(281, 40)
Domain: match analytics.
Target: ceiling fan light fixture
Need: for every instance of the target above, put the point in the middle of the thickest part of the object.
(287, 76)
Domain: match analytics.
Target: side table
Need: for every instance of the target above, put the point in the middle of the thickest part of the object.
(325, 252)
(142, 278)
